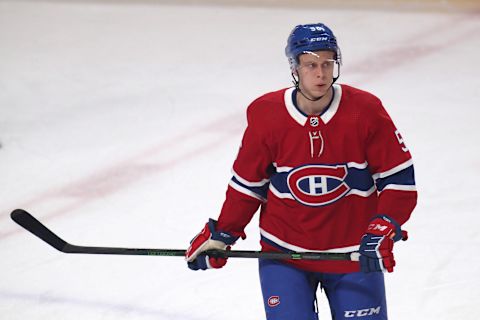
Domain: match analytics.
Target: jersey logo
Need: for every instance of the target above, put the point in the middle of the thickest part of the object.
(273, 301)
(318, 185)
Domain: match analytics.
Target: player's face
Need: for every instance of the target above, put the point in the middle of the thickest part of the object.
(316, 72)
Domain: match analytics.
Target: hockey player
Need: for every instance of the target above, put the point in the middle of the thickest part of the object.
(330, 172)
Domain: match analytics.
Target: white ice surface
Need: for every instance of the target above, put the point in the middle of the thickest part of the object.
(119, 125)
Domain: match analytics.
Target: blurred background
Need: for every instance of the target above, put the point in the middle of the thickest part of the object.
(120, 120)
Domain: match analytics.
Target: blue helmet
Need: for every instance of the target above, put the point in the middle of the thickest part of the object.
(310, 37)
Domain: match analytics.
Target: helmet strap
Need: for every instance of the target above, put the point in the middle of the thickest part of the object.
(296, 82)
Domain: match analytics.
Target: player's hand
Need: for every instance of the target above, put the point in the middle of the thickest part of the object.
(376, 247)
(209, 238)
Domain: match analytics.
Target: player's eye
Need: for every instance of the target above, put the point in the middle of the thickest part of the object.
(328, 64)
(310, 65)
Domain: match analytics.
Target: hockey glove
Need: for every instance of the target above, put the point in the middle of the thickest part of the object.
(209, 238)
(376, 247)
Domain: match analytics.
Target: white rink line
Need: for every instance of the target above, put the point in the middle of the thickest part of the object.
(162, 157)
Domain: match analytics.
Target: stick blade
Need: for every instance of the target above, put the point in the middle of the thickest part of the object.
(27, 221)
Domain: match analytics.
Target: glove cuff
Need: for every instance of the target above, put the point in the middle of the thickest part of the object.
(220, 235)
(386, 226)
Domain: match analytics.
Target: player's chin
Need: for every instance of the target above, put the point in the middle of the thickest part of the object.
(319, 91)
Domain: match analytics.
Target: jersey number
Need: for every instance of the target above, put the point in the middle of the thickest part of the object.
(400, 140)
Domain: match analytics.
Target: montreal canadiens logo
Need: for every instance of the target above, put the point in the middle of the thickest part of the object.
(273, 301)
(318, 185)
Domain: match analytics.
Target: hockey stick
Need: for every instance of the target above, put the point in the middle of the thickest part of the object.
(27, 221)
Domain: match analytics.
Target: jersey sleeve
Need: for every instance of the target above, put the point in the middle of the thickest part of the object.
(391, 166)
(248, 187)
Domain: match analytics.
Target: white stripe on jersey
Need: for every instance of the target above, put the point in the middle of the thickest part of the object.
(250, 183)
(281, 169)
(400, 187)
(394, 170)
(246, 191)
(362, 193)
(357, 165)
(295, 248)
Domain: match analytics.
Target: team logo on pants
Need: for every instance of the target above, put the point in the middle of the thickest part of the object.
(273, 301)
(318, 185)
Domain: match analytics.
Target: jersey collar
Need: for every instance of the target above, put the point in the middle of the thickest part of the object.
(301, 118)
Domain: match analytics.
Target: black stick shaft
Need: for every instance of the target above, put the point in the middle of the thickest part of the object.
(27, 221)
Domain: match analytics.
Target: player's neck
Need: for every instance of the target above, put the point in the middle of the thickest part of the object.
(314, 107)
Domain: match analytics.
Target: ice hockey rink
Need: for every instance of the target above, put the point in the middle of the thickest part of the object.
(120, 120)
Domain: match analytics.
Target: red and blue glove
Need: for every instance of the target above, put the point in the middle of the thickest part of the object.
(208, 239)
(376, 246)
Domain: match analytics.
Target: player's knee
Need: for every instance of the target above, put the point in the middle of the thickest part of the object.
(281, 308)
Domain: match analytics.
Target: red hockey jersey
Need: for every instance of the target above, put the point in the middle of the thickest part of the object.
(318, 179)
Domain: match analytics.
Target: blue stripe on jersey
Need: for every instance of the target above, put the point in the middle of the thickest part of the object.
(279, 181)
(404, 177)
(260, 191)
(358, 179)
